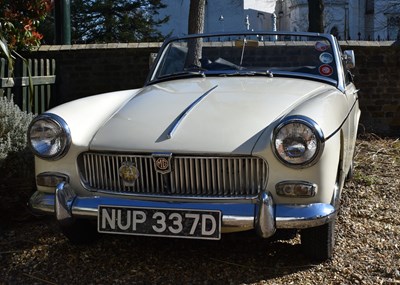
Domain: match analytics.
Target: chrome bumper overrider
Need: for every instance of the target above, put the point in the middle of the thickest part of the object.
(260, 214)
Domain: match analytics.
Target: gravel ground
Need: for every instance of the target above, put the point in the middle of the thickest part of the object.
(32, 251)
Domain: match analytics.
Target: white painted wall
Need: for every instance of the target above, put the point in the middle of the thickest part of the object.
(221, 15)
(347, 16)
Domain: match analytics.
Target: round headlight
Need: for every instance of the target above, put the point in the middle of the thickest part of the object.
(298, 141)
(49, 136)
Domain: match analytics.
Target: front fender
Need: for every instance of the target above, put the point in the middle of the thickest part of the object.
(83, 117)
(323, 173)
(329, 110)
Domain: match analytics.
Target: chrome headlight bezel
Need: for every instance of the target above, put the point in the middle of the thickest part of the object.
(313, 145)
(53, 144)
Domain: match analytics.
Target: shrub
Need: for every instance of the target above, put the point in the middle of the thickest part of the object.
(19, 20)
(15, 158)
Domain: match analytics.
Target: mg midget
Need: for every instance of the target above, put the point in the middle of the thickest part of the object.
(231, 132)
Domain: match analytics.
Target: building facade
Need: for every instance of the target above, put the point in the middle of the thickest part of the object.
(347, 19)
(221, 15)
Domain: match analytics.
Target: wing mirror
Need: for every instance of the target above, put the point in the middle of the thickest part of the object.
(349, 58)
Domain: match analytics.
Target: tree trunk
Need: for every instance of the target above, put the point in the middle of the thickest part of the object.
(196, 16)
(196, 26)
(316, 16)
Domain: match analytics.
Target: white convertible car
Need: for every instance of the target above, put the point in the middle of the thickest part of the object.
(231, 132)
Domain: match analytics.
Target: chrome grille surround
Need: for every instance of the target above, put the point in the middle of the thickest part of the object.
(191, 176)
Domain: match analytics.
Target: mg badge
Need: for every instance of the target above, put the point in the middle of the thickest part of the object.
(162, 163)
(128, 173)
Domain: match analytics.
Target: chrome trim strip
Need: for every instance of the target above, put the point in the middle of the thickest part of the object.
(300, 75)
(243, 222)
(309, 123)
(42, 202)
(336, 50)
(62, 124)
(185, 199)
(183, 115)
(285, 216)
(304, 216)
(344, 121)
(336, 197)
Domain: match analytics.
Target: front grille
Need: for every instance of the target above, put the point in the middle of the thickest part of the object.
(190, 176)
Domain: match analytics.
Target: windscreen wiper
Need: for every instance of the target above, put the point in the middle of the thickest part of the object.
(182, 74)
(249, 73)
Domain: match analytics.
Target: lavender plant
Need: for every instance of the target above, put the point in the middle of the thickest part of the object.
(14, 156)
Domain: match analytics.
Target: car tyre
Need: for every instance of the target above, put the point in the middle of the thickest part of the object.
(80, 232)
(318, 242)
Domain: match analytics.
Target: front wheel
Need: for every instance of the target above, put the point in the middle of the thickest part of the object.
(80, 232)
(318, 242)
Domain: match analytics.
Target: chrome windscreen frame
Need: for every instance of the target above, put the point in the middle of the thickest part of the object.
(339, 84)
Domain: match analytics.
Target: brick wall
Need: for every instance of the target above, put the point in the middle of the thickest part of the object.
(84, 70)
(378, 78)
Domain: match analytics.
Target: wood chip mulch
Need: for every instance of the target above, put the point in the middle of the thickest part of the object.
(32, 251)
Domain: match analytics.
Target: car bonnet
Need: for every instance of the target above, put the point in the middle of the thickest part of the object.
(202, 115)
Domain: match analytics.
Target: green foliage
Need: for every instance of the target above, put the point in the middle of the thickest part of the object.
(14, 123)
(19, 20)
(98, 21)
(363, 179)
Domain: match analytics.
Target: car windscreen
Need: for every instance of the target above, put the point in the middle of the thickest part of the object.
(309, 56)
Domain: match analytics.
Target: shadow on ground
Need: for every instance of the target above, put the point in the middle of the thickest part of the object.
(33, 250)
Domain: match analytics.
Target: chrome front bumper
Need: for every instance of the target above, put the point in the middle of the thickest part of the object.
(260, 214)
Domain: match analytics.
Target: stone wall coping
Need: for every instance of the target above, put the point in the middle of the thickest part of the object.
(370, 43)
(45, 48)
(74, 47)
